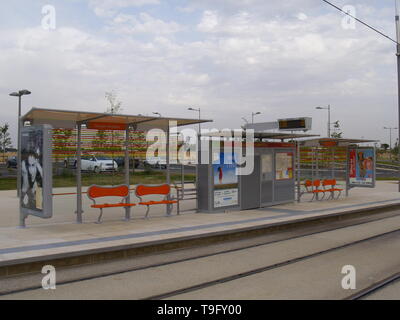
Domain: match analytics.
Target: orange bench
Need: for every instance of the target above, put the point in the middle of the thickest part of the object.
(164, 189)
(313, 188)
(95, 192)
(330, 186)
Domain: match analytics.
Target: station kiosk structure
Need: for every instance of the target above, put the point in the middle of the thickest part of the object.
(272, 180)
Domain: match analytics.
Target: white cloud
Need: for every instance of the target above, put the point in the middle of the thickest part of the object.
(241, 60)
(301, 16)
(208, 22)
(144, 23)
(108, 8)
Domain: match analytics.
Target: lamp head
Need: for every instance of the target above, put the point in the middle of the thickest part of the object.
(24, 92)
(20, 93)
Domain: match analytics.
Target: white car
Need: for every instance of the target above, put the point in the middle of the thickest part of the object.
(94, 163)
(156, 162)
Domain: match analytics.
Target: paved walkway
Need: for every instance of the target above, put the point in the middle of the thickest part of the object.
(60, 236)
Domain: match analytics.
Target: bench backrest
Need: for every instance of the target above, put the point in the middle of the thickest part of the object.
(144, 190)
(315, 183)
(95, 191)
(329, 182)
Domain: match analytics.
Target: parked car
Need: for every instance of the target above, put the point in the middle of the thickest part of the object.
(156, 162)
(121, 162)
(12, 162)
(93, 163)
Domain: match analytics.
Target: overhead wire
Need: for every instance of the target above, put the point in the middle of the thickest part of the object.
(362, 22)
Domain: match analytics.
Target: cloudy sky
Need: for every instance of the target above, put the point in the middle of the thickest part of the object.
(228, 57)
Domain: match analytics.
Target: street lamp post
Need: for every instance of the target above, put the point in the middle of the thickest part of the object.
(254, 114)
(398, 77)
(198, 110)
(19, 94)
(329, 117)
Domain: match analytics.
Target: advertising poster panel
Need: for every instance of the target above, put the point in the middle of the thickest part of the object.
(284, 166)
(36, 171)
(225, 181)
(362, 167)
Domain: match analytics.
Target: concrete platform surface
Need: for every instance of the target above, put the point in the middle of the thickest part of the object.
(60, 237)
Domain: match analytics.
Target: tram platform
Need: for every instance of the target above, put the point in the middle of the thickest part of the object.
(61, 242)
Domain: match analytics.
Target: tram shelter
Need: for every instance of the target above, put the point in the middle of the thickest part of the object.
(47, 119)
(337, 158)
(272, 180)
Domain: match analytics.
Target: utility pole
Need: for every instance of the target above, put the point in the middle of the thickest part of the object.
(329, 117)
(254, 114)
(398, 80)
(390, 139)
(19, 94)
(198, 110)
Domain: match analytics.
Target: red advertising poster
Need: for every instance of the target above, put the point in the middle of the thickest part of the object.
(352, 165)
(362, 167)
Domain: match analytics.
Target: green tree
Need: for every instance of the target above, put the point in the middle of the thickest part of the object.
(384, 146)
(5, 139)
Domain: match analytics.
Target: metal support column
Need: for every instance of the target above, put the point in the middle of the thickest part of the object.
(168, 166)
(22, 215)
(312, 163)
(347, 172)
(79, 175)
(199, 160)
(398, 84)
(298, 172)
(19, 150)
(127, 173)
(333, 162)
(168, 150)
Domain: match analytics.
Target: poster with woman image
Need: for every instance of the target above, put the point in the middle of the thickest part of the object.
(225, 180)
(31, 169)
(35, 157)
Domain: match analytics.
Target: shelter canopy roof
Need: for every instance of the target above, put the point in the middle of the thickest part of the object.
(265, 135)
(332, 142)
(67, 118)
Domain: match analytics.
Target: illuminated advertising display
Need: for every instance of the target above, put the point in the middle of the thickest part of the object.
(362, 167)
(36, 171)
(225, 181)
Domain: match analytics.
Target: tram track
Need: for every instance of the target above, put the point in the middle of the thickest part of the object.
(363, 293)
(204, 285)
(230, 277)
